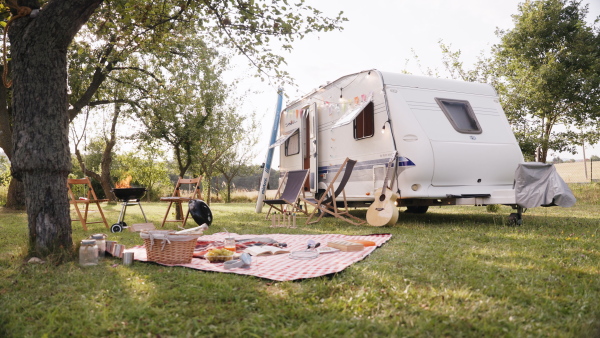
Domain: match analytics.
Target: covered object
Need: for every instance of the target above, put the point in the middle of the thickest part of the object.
(538, 184)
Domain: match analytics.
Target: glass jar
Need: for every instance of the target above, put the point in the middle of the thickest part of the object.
(229, 244)
(101, 243)
(88, 253)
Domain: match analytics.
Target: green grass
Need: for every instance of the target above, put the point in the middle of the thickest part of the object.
(455, 271)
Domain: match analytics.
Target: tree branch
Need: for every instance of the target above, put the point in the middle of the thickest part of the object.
(139, 70)
(100, 74)
(103, 102)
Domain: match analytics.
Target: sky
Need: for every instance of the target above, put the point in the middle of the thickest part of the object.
(385, 35)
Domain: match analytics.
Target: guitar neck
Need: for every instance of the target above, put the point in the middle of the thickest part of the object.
(387, 174)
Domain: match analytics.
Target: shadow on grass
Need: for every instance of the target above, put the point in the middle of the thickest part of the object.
(455, 271)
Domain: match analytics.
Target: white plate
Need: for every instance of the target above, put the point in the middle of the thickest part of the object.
(303, 255)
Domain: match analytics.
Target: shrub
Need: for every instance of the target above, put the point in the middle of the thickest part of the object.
(492, 208)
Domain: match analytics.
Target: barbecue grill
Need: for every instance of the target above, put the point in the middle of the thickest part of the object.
(127, 196)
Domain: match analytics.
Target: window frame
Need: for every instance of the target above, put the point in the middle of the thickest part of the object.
(370, 109)
(470, 113)
(287, 143)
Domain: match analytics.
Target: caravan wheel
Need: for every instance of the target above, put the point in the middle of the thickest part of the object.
(417, 209)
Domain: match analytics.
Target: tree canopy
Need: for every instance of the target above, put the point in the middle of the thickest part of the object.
(43, 103)
(548, 67)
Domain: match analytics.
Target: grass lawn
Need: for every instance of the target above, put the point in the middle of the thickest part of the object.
(455, 271)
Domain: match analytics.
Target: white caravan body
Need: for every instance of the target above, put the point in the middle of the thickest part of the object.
(454, 142)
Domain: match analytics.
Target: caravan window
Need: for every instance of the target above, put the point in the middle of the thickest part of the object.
(364, 123)
(292, 145)
(461, 115)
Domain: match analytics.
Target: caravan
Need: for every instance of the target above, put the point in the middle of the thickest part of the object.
(453, 140)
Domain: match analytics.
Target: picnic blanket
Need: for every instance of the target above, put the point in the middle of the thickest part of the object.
(281, 267)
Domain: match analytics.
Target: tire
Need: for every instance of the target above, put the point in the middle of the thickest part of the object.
(514, 220)
(417, 209)
(117, 227)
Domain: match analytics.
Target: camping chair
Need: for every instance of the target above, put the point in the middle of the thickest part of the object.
(327, 203)
(194, 185)
(86, 198)
(286, 201)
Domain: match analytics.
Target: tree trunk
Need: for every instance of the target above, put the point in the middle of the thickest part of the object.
(104, 177)
(208, 191)
(41, 156)
(106, 162)
(228, 192)
(15, 198)
(5, 123)
(547, 124)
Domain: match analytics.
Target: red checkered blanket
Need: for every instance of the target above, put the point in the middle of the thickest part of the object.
(281, 267)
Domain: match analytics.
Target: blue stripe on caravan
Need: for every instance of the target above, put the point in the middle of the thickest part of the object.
(368, 165)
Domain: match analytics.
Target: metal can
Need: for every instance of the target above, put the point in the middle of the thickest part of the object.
(118, 252)
(127, 258)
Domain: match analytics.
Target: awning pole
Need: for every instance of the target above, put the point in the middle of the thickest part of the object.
(262, 188)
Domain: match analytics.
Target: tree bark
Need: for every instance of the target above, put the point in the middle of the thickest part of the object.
(5, 123)
(15, 199)
(41, 155)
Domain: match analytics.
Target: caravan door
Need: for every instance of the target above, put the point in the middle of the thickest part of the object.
(311, 146)
(314, 148)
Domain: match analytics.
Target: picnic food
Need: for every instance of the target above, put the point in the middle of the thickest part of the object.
(365, 243)
(346, 245)
(219, 255)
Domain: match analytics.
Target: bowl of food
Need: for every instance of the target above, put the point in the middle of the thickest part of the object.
(219, 255)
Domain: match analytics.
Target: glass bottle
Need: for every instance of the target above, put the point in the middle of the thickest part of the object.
(101, 243)
(88, 253)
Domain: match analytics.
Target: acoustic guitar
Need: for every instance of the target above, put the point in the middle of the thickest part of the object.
(383, 210)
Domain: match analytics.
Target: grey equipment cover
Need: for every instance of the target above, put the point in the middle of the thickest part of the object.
(538, 184)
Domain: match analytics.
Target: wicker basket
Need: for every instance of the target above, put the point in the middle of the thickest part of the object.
(169, 248)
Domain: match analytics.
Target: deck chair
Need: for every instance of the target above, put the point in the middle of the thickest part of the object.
(286, 201)
(327, 203)
(193, 186)
(81, 192)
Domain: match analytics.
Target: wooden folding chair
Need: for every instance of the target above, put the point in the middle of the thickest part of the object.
(194, 186)
(88, 196)
(327, 203)
(287, 201)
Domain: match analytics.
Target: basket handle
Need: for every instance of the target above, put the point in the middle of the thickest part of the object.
(165, 241)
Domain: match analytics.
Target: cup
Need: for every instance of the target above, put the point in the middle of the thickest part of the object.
(110, 247)
(118, 251)
(127, 258)
(229, 244)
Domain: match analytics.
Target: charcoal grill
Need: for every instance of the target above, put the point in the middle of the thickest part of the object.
(127, 196)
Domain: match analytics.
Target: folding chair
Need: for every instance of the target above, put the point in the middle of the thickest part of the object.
(89, 196)
(194, 185)
(286, 201)
(327, 203)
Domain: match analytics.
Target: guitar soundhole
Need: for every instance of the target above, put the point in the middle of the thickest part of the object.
(382, 198)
